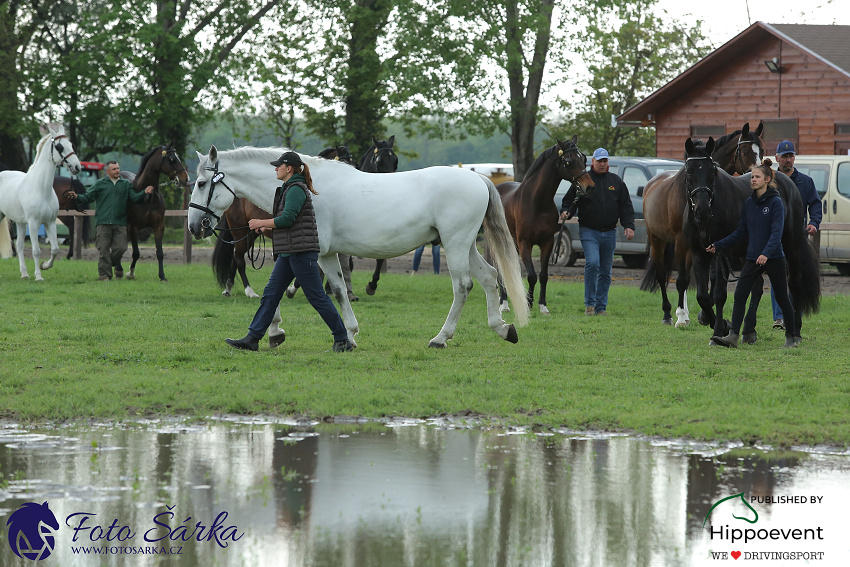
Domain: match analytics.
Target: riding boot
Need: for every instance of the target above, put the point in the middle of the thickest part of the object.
(730, 340)
(750, 338)
(246, 343)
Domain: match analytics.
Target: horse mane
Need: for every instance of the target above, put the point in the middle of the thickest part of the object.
(721, 141)
(146, 158)
(541, 159)
(248, 153)
(40, 145)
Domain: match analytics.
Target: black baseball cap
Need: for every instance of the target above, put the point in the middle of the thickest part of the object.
(288, 158)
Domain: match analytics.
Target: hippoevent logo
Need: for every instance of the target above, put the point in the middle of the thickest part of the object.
(722, 500)
(32, 529)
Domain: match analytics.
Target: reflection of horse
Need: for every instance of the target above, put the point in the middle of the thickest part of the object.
(28, 198)
(738, 151)
(150, 213)
(379, 158)
(233, 242)
(530, 207)
(62, 186)
(379, 216)
(708, 201)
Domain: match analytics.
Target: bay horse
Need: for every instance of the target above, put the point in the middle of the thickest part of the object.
(379, 158)
(379, 216)
(530, 209)
(234, 242)
(28, 198)
(706, 202)
(150, 213)
(738, 151)
(62, 186)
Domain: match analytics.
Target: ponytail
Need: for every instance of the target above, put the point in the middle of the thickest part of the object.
(305, 171)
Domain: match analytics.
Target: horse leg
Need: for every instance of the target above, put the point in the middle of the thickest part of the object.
(54, 246)
(683, 281)
(545, 253)
(158, 230)
(329, 264)
(525, 256)
(702, 272)
(488, 278)
(748, 334)
(72, 229)
(240, 265)
(721, 325)
(461, 286)
(292, 289)
(22, 237)
(657, 251)
(276, 334)
(372, 286)
(133, 233)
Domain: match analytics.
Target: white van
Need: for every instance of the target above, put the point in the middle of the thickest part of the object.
(831, 175)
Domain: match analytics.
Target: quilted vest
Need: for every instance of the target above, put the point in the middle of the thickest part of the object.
(302, 235)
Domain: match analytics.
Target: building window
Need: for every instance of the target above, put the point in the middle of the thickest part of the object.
(705, 130)
(779, 129)
(842, 128)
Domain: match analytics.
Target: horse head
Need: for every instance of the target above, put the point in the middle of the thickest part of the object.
(380, 158)
(750, 149)
(344, 155)
(700, 174)
(171, 166)
(62, 152)
(572, 166)
(207, 202)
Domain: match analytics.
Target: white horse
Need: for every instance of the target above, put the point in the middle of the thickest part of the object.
(380, 216)
(28, 198)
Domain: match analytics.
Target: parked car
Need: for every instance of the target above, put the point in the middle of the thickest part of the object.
(831, 175)
(635, 172)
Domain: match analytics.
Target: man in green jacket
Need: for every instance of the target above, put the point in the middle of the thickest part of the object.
(111, 194)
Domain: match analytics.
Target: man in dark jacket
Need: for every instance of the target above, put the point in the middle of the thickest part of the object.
(785, 156)
(598, 214)
(111, 193)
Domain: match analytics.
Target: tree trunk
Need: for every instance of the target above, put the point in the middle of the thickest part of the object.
(12, 153)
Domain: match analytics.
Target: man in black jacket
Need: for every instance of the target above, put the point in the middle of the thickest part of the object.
(598, 214)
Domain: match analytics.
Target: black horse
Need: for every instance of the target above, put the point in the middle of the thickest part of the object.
(712, 201)
(340, 153)
(379, 158)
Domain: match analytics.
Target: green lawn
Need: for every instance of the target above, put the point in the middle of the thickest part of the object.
(73, 348)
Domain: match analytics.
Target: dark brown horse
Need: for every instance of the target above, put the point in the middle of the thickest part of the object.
(62, 186)
(340, 153)
(701, 204)
(150, 213)
(379, 158)
(234, 242)
(531, 212)
(738, 151)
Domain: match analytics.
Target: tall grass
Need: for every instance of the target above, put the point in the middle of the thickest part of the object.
(72, 347)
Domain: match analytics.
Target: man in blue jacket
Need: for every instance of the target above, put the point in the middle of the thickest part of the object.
(785, 156)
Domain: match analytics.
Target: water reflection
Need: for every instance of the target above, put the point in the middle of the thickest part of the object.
(406, 494)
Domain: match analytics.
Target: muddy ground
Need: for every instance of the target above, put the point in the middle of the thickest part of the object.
(831, 281)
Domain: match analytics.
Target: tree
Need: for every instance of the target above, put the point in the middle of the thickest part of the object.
(630, 51)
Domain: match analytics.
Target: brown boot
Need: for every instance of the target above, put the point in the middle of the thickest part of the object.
(730, 340)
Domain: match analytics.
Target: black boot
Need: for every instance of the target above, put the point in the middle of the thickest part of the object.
(247, 343)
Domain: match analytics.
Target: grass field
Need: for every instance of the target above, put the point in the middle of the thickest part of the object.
(74, 348)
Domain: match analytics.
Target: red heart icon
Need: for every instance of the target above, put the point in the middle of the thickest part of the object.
(736, 554)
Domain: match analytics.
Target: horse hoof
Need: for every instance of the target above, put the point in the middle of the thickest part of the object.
(667, 321)
(162, 280)
(370, 290)
(25, 277)
(39, 279)
(277, 340)
(434, 344)
(750, 338)
(702, 319)
(226, 293)
(131, 276)
(512, 336)
(544, 310)
(712, 342)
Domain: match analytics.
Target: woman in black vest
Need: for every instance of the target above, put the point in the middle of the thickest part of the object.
(296, 247)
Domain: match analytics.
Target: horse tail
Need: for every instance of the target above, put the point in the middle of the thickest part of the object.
(810, 268)
(5, 239)
(650, 277)
(222, 257)
(505, 254)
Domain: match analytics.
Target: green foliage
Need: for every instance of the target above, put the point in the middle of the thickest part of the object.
(629, 51)
(73, 347)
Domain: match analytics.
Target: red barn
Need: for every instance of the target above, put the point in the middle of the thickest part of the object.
(794, 78)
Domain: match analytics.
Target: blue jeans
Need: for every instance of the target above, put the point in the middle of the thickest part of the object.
(435, 252)
(777, 311)
(286, 268)
(599, 260)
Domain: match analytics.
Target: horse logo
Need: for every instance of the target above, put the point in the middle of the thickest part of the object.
(741, 494)
(31, 531)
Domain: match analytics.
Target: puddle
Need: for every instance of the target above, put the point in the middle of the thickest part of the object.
(261, 492)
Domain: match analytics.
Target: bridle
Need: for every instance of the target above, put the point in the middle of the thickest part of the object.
(216, 179)
(170, 153)
(692, 193)
(59, 149)
(565, 163)
(738, 158)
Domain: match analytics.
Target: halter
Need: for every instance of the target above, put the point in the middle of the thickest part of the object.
(218, 177)
(693, 192)
(60, 148)
(176, 174)
(739, 155)
(566, 164)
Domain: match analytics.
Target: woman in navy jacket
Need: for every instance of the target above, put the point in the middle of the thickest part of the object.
(762, 220)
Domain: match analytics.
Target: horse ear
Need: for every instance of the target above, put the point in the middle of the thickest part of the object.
(391, 141)
(213, 154)
(745, 130)
(574, 139)
(201, 156)
(689, 147)
(374, 140)
(709, 147)
(760, 129)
